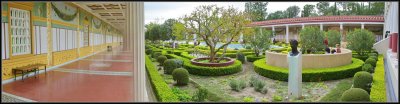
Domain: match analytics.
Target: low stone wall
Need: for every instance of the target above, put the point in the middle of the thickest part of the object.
(311, 60)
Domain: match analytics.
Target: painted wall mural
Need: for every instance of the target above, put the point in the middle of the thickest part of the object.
(64, 11)
(4, 8)
(40, 9)
(96, 23)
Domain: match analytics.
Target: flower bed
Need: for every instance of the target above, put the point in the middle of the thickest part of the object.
(196, 61)
(309, 75)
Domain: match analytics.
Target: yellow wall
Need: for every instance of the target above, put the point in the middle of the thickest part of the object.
(57, 58)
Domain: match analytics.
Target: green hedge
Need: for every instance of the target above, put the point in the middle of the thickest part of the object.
(187, 55)
(160, 88)
(309, 75)
(252, 58)
(378, 89)
(209, 71)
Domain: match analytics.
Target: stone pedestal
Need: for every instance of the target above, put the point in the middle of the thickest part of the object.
(295, 80)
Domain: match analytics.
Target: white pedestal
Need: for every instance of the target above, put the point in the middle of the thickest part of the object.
(294, 76)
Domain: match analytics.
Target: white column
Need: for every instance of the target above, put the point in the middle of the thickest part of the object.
(302, 26)
(137, 33)
(362, 25)
(321, 27)
(287, 33)
(341, 31)
(273, 31)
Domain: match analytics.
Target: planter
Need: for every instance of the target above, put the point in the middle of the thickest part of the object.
(195, 61)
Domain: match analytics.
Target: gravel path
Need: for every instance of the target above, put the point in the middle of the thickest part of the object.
(6, 98)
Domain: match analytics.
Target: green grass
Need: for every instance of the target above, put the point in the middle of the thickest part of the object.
(207, 61)
(335, 94)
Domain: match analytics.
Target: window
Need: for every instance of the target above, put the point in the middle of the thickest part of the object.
(20, 31)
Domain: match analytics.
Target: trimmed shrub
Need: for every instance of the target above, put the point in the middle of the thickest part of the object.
(378, 89)
(363, 58)
(374, 57)
(371, 61)
(161, 59)
(373, 54)
(200, 95)
(240, 57)
(210, 71)
(362, 80)
(149, 51)
(186, 55)
(355, 94)
(170, 65)
(181, 76)
(367, 68)
(177, 52)
(161, 89)
(156, 54)
(252, 58)
(309, 75)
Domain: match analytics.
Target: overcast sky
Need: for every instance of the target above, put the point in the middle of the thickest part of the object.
(165, 10)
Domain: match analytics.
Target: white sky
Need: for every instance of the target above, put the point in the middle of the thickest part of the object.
(166, 10)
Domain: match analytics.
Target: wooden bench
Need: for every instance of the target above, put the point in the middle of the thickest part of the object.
(26, 69)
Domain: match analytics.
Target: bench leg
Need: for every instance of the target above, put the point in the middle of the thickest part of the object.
(15, 74)
(22, 76)
(35, 73)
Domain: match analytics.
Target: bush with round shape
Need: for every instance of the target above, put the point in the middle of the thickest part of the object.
(181, 76)
(371, 61)
(368, 68)
(237, 85)
(149, 51)
(170, 65)
(161, 59)
(362, 80)
(156, 54)
(373, 54)
(355, 94)
(374, 57)
(240, 56)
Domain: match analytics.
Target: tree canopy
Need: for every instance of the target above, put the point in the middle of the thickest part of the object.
(257, 10)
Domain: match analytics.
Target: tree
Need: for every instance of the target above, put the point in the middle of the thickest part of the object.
(308, 10)
(258, 39)
(311, 39)
(292, 11)
(178, 30)
(155, 32)
(257, 10)
(168, 25)
(361, 41)
(276, 15)
(323, 8)
(216, 24)
(333, 37)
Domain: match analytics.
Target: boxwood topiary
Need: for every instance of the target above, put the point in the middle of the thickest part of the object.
(149, 51)
(355, 94)
(170, 65)
(156, 54)
(373, 54)
(252, 58)
(161, 59)
(362, 80)
(374, 57)
(371, 61)
(181, 76)
(240, 56)
(368, 68)
(309, 75)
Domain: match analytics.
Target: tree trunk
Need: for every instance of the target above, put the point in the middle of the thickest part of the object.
(212, 54)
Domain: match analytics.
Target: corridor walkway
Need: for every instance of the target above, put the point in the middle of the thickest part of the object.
(103, 77)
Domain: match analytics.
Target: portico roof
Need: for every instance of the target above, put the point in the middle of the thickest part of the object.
(319, 19)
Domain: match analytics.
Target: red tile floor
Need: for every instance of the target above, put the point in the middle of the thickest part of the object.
(61, 86)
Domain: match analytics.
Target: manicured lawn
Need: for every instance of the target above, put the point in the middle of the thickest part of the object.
(335, 94)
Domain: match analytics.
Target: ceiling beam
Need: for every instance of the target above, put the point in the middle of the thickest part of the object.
(94, 14)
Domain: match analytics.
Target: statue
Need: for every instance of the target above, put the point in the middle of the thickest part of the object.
(293, 45)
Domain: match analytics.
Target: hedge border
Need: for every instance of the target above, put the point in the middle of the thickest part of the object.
(209, 71)
(162, 91)
(378, 89)
(309, 75)
(252, 58)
